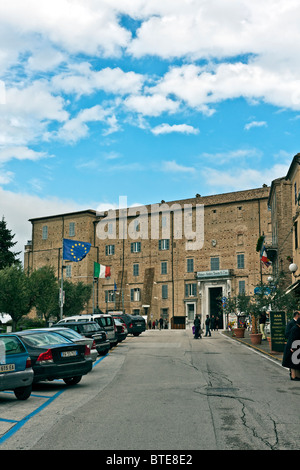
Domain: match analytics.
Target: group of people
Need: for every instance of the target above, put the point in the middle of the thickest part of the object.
(291, 354)
(211, 323)
(155, 323)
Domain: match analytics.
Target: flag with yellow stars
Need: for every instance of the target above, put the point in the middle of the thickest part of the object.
(74, 250)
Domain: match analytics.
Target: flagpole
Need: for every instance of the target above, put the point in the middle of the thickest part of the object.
(62, 291)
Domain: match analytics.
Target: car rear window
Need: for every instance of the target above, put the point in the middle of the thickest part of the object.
(89, 328)
(44, 339)
(11, 345)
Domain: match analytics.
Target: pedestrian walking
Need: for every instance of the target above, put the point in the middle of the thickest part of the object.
(291, 354)
(197, 328)
(161, 323)
(156, 323)
(153, 325)
(217, 323)
(262, 323)
(149, 324)
(207, 326)
(213, 322)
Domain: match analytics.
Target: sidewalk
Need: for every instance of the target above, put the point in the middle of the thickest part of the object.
(263, 347)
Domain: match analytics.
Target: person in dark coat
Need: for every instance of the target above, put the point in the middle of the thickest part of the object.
(291, 358)
(291, 323)
(197, 328)
(207, 326)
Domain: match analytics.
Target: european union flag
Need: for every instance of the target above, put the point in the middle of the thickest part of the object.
(74, 250)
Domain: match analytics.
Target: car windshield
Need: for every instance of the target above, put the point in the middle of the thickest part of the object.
(89, 327)
(44, 339)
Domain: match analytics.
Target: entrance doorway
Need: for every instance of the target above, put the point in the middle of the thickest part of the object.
(215, 304)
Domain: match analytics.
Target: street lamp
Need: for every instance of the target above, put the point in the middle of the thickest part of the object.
(293, 268)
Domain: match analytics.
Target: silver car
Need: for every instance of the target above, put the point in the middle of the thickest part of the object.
(15, 367)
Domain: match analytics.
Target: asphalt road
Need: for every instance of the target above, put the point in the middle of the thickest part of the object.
(166, 391)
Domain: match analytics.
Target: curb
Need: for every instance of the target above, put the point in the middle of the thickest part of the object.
(273, 356)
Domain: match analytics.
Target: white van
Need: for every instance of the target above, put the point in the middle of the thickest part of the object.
(104, 320)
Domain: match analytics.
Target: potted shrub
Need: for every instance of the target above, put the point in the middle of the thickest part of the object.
(238, 305)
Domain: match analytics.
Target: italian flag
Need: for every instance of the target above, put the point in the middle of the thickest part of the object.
(101, 271)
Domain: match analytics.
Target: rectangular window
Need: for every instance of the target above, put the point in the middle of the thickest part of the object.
(242, 287)
(191, 290)
(241, 261)
(164, 267)
(109, 250)
(164, 291)
(71, 229)
(135, 247)
(163, 244)
(45, 232)
(135, 295)
(190, 265)
(214, 264)
(296, 235)
(109, 296)
(68, 270)
(136, 269)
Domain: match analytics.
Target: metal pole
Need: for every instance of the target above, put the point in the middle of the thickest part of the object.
(62, 292)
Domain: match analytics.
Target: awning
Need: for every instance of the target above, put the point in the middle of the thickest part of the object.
(292, 287)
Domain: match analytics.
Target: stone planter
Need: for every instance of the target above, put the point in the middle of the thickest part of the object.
(255, 338)
(239, 332)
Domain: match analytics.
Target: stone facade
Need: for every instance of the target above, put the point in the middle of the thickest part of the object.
(175, 274)
(293, 178)
(280, 246)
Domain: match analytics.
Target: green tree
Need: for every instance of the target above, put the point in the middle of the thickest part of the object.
(15, 293)
(77, 296)
(7, 257)
(45, 291)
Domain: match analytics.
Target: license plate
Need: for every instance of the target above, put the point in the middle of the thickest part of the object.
(68, 353)
(7, 367)
(138, 324)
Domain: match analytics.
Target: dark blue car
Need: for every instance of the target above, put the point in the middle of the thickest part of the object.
(55, 357)
(16, 372)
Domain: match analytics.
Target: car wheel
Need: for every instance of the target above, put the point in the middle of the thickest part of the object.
(136, 334)
(73, 380)
(22, 393)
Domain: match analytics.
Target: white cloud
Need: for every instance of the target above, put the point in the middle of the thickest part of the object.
(252, 124)
(19, 153)
(76, 128)
(180, 128)
(174, 167)
(200, 87)
(81, 80)
(242, 178)
(150, 105)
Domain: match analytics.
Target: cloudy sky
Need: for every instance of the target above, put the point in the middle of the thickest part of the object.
(145, 99)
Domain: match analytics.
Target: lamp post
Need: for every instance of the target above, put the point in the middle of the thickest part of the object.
(293, 268)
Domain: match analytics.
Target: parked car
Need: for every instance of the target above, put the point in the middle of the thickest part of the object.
(56, 357)
(89, 329)
(122, 331)
(16, 372)
(135, 323)
(104, 320)
(76, 338)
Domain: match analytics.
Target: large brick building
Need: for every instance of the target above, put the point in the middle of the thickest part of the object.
(175, 259)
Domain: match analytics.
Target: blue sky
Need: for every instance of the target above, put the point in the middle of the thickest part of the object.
(145, 99)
